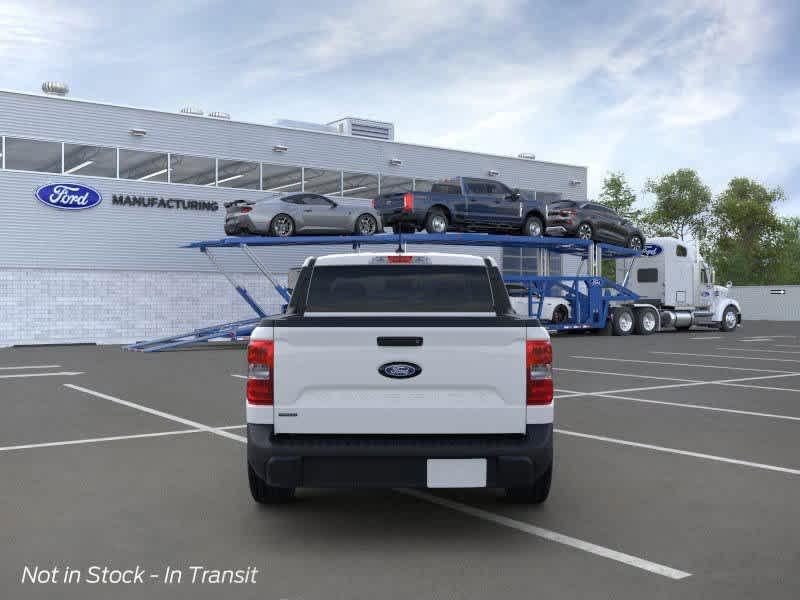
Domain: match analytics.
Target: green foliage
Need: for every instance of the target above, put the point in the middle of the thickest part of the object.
(618, 196)
(681, 206)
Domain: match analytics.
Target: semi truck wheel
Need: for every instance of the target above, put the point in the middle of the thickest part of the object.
(646, 321)
(622, 322)
(730, 319)
(263, 493)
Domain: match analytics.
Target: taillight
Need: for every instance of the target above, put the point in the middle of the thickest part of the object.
(408, 202)
(260, 372)
(569, 213)
(539, 372)
(402, 259)
(374, 203)
(246, 209)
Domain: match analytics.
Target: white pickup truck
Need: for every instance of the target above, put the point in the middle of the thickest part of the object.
(399, 370)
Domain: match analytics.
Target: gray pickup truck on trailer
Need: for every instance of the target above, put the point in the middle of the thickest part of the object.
(464, 204)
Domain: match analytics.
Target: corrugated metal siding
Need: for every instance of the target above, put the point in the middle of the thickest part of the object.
(761, 303)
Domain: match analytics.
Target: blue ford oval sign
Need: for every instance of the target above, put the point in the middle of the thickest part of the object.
(399, 370)
(652, 250)
(68, 196)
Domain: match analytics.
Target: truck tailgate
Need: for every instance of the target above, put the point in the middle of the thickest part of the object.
(327, 380)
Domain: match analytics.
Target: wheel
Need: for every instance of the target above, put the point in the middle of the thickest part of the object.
(622, 322)
(436, 221)
(263, 493)
(646, 321)
(366, 224)
(281, 226)
(231, 230)
(730, 319)
(584, 231)
(560, 314)
(533, 227)
(535, 494)
(635, 242)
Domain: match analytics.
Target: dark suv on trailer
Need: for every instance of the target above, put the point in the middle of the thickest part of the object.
(592, 221)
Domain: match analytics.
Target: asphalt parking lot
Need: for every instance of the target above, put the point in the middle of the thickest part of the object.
(677, 475)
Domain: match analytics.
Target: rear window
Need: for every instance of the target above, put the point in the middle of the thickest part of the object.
(446, 188)
(399, 288)
(647, 275)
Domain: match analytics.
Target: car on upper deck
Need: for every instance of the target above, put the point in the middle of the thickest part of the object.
(593, 221)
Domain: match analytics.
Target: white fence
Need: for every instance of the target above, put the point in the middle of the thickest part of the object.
(768, 302)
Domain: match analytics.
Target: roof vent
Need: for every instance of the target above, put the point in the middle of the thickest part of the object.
(527, 155)
(55, 88)
(192, 110)
(376, 130)
(216, 114)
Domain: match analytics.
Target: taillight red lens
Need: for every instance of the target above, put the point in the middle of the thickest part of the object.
(408, 202)
(403, 259)
(261, 372)
(539, 372)
(246, 209)
(375, 203)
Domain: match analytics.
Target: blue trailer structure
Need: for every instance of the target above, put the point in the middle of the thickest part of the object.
(591, 297)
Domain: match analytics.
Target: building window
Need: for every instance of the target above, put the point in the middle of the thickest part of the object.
(280, 178)
(33, 155)
(360, 185)
(396, 185)
(144, 166)
(90, 160)
(238, 174)
(195, 170)
(520, 261)
(323, 181)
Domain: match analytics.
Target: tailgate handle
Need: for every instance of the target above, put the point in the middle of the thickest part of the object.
(400, 341)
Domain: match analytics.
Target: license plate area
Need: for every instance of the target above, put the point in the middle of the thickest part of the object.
(456, 472)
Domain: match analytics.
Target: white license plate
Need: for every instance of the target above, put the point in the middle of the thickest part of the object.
(456, 472)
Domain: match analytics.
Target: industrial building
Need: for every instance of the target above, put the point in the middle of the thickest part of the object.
(113, 272)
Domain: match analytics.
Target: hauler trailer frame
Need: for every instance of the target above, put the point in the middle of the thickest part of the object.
(592, 297)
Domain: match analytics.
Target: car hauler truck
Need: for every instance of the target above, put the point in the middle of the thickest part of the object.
(671, 277)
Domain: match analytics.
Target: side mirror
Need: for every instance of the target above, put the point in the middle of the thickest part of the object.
(729, 285)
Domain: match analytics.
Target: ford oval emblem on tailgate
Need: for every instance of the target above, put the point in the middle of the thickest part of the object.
(399, 370)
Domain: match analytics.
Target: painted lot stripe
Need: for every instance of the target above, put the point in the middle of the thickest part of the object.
(731, 382)
(748, 413)
(712, 457)
(792, 360)
(60, 373)
(463, 508)
(158, 413)
(547, 534)
(30, 367)
(760, 350)
(631, 375)
(786, 345)
(113, 438)
(238, 376)
(677, 364)
(711, 337)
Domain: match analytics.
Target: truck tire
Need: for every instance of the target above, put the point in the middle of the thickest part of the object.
(263, 493)
(533, 227)
(535, 494)
(730, 319)
(622, 321)
(560, 314)
(646, 321)
(436, 221)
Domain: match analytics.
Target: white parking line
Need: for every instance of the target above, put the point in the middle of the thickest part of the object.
(711, 337)
(30, 367)
(712, 457)
(760, 350)
(677, 364)
(792, 360)
(158, 413)
(748, 413)
(732, 382)
(631, 375)
(113, 438)
(786, 345)
(547, 534)
(21, 375)
(238, 376)
(463, 508)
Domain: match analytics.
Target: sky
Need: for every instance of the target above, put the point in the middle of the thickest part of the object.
(639, 87)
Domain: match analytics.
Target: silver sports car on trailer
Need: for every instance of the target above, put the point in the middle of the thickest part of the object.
(301, 213)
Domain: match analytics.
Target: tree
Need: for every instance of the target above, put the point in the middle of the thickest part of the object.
(618, 195)
(681, 206)
(749, 242)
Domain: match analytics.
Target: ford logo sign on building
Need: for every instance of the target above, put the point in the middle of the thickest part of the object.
(399, 370)
(68, 196)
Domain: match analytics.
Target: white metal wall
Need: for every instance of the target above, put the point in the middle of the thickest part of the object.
(768, 303)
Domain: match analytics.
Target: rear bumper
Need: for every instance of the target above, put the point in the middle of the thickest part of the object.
(383, 461)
